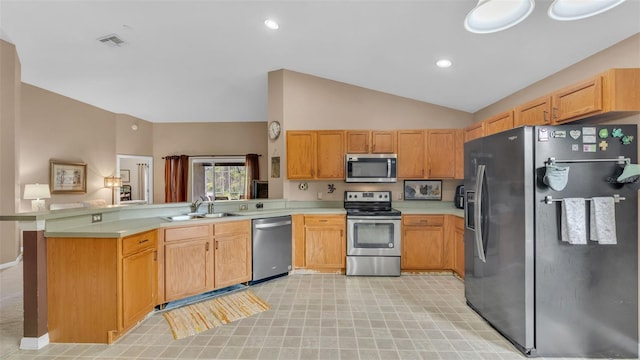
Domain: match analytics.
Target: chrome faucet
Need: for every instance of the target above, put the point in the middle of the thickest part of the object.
(211, 209)
(195, 205)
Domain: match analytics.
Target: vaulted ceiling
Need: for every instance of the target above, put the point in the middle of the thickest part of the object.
(208, 61)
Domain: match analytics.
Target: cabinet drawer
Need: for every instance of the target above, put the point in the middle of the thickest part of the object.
(423, 220)
(187, 232)
(325, 220)
(233, 227)
(135, 243)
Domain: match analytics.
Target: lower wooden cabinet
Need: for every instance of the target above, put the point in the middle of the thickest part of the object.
(98, 288)
(433, 243)
(422, 242)
(320, 242)
(232, 253)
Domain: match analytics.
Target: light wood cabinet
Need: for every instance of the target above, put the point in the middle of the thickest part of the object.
(576, 101)
(441, 154)
(188, 261)
(535, 112)
(325, 242)
(498, 123)
(459, 154)
(232, 253)
(371, 142)
(330, 154)
(297, 231)
(458, 245)
(315, 155)
(411, 154)
(423, 242)
(139, 276)
(98, 288)
(474, 131)
(301, 154)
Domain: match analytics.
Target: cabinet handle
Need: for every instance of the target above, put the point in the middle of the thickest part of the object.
(373, 149)
(544, 116)
(143, 241)
(324, 220)
(206, 247)
(554, 114)
(155, 255)
(216, 244)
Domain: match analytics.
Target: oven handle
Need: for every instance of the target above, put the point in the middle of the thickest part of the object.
(373, 218)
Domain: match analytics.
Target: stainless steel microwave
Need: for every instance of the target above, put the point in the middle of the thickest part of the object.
(371, 168)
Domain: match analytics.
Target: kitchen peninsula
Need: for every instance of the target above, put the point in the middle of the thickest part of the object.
(73, 266)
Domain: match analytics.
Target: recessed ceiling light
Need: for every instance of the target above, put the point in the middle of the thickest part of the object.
(271, 24)
(444, 63)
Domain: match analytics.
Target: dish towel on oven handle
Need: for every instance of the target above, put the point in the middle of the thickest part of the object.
(573, 227)
(602, 220)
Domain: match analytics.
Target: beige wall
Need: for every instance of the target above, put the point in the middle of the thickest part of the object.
(225, 138)
(130, 141)
(9, 149)
(304, 102)
(625, 54)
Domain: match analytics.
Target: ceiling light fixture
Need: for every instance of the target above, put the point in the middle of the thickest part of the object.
(271, 24)
(444, 63)
(490, 16)
(564, 10)
(495, 15)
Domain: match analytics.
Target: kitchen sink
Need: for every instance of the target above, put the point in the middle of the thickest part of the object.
(197, 216)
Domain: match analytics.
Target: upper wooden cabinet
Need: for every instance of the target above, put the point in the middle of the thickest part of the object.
(411, 151)
(371, 142)
(499, 123)
(330, 147)
(301, 154)
(315, 154)
(577, 101)
(441, 153)
(536, 112)
(474, 131)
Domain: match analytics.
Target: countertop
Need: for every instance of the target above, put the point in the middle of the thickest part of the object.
(124, 221)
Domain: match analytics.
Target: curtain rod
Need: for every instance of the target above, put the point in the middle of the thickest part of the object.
(169, 156)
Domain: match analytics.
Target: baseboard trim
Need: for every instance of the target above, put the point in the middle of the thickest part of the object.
(29, 343)
(12, 263)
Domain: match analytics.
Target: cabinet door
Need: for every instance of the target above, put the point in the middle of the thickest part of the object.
(474, 131)
(232, 253)
(325, 243)
(139, 285)
(536, 112)
(411, 154)
(384, 142)
(423, 247)
(458, 240)
(301, 154)
(459, 154)
(577, 101)
(188, 267)
(441, 154)
(330, 154)
(499, 123)
(358, 141)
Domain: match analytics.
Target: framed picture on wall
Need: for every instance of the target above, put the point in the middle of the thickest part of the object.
(68, 177)
(423, 189)
(125, 175)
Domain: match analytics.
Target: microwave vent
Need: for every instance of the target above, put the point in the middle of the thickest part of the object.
(112, 40)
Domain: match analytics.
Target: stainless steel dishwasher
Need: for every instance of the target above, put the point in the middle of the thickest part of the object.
(271, 247)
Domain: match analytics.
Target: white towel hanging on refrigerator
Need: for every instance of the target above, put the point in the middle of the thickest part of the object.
(603, 221)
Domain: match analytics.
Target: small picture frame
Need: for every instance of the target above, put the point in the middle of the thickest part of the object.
(68, 177)
(125, 176)
(423, 189)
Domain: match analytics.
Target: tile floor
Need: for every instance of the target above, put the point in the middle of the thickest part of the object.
(311, 317)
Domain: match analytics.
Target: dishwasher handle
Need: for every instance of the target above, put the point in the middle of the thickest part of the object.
(270, 225)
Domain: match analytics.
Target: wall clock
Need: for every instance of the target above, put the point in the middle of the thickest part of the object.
(274, 130)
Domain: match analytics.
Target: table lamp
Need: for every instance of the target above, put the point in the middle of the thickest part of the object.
(112, 182)
(36, 193)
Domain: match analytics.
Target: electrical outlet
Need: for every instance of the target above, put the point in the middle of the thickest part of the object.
(259, 205)
(96, 218)
(244, 207)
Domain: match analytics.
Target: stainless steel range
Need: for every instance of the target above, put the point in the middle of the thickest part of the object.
(373, 234)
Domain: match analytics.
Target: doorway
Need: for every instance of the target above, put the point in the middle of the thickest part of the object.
(137, 179)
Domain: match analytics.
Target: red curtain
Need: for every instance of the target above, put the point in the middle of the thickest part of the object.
(253, 173)
(176, 173)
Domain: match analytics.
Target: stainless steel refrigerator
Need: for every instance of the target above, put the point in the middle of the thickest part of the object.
(549, 297)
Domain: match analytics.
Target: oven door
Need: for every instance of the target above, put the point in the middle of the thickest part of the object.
(373, 235)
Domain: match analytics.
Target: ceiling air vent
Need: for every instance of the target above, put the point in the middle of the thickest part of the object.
(112, 40)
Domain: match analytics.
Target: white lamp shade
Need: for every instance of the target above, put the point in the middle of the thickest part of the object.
(580, 9)
(36, 191)
(112, 182)
(495, 15)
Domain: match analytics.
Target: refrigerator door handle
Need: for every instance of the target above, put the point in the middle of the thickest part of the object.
(477, 213)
